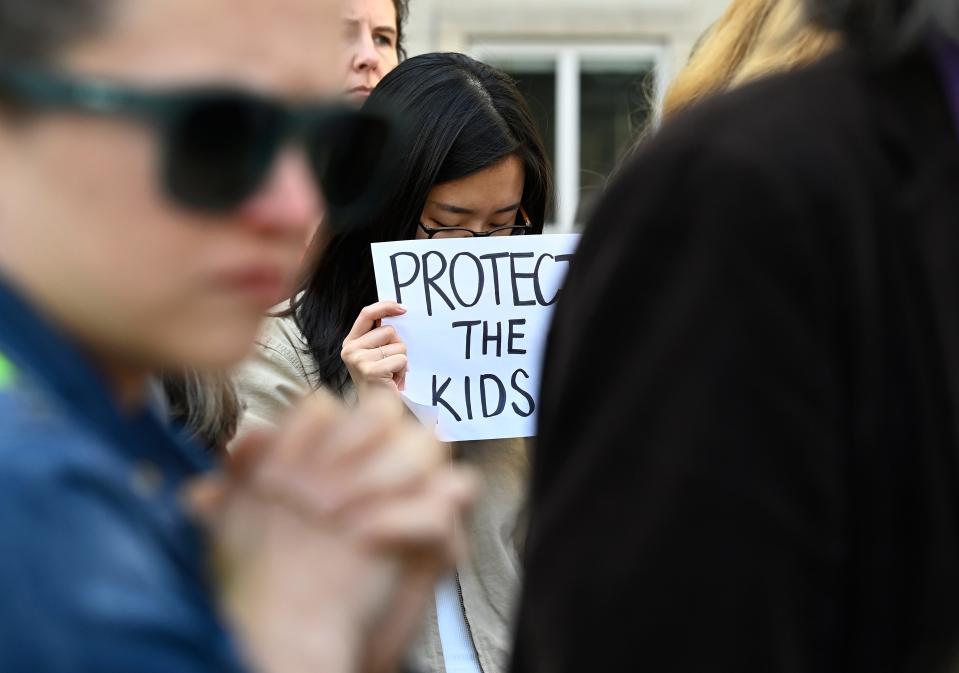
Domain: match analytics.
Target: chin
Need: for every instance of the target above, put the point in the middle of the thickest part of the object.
(218, 349)
(358, 97)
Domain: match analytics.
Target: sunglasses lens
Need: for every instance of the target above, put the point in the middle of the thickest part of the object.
(349, 154)
(219, 149)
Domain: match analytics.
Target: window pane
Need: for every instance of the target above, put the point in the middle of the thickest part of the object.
(616, 99)
(536, 80)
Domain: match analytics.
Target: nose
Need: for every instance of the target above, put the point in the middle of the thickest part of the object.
(289, 204)
(366, 56)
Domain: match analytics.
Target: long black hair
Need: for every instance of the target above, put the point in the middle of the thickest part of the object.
(460, 117)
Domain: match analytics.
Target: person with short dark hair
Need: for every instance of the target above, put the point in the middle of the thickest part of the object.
(748, 456)
(160, 164)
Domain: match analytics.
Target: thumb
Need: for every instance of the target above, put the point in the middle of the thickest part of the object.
(248, 452)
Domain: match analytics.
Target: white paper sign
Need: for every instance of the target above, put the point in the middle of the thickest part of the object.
(478, 311)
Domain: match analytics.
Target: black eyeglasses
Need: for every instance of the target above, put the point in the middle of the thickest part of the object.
(220, 143)
(463, 232)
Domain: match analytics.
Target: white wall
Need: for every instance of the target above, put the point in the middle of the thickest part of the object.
(456, 25)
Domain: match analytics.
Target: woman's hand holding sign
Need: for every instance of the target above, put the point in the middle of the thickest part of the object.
(373, 353)
(477, 314)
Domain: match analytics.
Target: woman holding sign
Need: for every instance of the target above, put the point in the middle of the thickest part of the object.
(475, 167)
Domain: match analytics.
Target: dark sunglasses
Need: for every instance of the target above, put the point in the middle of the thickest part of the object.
(219, 144)
(463, 232)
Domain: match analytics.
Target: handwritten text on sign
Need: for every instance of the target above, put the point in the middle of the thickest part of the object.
(478, 313)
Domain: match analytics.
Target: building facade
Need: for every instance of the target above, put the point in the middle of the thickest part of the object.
(592, 70)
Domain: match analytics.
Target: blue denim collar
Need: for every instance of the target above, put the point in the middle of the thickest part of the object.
(33, 349)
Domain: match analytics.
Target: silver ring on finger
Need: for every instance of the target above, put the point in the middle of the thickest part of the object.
(382, 353)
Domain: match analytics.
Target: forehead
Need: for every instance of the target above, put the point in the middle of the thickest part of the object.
(287, 46)
(493, 188)
(380, 12)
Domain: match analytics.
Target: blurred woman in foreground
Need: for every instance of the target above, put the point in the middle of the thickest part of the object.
(777, 424)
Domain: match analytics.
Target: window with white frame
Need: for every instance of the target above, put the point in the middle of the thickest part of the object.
(590, 103)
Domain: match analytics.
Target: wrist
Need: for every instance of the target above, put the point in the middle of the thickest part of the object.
(277, 636)
(274, 646)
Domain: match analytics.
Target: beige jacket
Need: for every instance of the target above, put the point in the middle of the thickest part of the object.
(281, 372)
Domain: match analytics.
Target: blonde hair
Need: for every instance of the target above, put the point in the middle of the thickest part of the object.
(207, 406)
(753, 38)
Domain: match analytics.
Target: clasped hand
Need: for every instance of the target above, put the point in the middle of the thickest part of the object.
(330, 535)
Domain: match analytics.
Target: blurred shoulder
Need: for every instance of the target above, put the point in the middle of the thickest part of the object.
(59, 477)
(779, 122)
(749, 171)
(93, 561)
(280, 335)
(277, 374)
(41, 444)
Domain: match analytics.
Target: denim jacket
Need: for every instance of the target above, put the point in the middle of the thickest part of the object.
(100, 570)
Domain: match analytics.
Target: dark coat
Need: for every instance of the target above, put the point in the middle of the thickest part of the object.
(748, 457)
